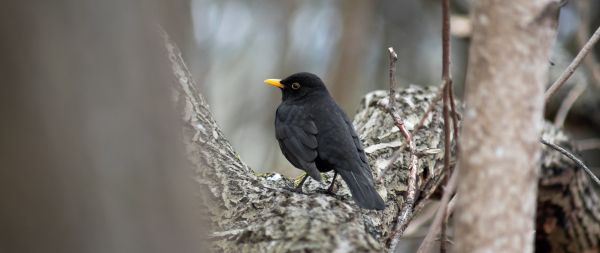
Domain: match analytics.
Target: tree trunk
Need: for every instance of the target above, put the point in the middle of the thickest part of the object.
(500, 149)
(89, 154)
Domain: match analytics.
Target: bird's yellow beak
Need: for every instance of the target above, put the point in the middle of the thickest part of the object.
(275, 82)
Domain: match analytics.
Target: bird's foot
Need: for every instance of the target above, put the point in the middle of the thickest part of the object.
(329, 191)
(295, 189)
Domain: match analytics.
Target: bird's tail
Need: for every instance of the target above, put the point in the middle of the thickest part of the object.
(362, 189)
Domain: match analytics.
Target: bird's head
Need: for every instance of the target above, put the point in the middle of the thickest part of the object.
(298, 85)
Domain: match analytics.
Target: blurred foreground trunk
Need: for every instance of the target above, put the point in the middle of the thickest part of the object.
(500, 148)
(89, 153)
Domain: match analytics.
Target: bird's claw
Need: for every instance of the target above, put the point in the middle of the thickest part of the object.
(327, 191)
(330, 192)
(295, 189)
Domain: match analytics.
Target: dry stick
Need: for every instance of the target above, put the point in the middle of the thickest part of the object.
(453, 112)
(567, 103)
(407, 207)
(572, 157)
(447, 130)
(447, 98)
(440, 215)
(443, 235)
(573, 66)
(390, 107)
(590, 62)
(451, 205)
(392, 77)
(393, 57)
(447, 212)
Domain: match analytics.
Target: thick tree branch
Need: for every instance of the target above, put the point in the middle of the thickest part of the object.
(251, 213)
(257, 213)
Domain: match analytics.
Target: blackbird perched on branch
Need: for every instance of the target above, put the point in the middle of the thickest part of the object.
(315, 135)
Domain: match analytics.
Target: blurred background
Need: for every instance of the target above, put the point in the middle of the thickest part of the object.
(237, 44)
(88, 155)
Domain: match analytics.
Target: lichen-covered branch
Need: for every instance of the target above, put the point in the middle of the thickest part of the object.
(568, 207)
(253, 213)
(256, 213)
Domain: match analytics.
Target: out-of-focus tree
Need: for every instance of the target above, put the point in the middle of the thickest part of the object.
(500, 149)
(89, 155)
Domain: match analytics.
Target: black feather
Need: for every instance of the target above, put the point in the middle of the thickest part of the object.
(315, 135)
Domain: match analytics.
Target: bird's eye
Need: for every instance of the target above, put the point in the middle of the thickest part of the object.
(295, 86)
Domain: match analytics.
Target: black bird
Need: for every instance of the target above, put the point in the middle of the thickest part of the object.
(315, 135)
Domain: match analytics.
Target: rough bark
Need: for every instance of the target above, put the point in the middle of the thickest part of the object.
(508, 62)
(568, 208)
(255, 213)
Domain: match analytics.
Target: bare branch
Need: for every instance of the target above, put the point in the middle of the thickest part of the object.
(434, 229)
(445, 40)
(455, 115)
(575, 159)
(567, 103)
(589, 45)
(443, 228)
(392, 77)
(582, 34)
(447, 129)
(405, 213)
(448, 105)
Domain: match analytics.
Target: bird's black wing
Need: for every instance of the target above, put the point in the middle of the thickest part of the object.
(296, 134)
(358, 176)
(357, 143)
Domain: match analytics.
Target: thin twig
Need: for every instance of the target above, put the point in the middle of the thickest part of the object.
(575, 159)
(445, 40)
(448, 101)
(589, 45)
(440, 215)
(582, 34)
(451, 206)
(392, 77)
(447, 212)
(407, 206)
(453, 112)
(390, 105)
(447, 131)
(567, 103)
(443, 228)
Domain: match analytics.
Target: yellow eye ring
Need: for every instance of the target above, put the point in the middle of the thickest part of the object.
(295, 86)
